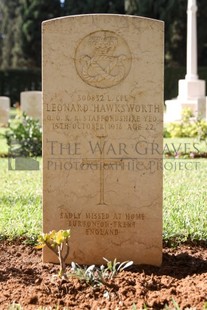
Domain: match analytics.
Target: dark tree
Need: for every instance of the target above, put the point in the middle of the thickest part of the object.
(74, 7)
(202, 32)
(33, 13)
(20, 25)
(173, 13)
(10, 34)
(164, 10)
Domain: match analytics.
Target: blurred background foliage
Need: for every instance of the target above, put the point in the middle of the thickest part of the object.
(20, 31)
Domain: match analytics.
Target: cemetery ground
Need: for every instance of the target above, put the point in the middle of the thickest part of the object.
(180, 283)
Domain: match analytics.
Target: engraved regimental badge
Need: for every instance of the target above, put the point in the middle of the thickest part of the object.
(103, 59)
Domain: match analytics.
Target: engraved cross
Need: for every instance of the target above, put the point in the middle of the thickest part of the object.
(103, 162)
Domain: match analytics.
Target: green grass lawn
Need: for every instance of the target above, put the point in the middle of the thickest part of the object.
(20, 202)
(185, 199)
(185, 192)
(184, 212)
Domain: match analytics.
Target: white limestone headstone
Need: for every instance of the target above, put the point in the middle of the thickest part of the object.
(4, 110)
(31, 103)
(102, 136)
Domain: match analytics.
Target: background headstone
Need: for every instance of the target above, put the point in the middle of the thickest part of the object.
(4, 110)
(31, 103)
(102, 136)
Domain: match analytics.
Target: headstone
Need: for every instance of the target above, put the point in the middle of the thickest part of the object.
(102, 132)
(4, 110)
(31, 103)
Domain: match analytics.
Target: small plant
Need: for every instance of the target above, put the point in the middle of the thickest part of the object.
(56, 241)
(98, 275)
(114, 267)
(175, 306)
(187, 113)
(91, 275)
(187, 127)
(24, 137)
(15, 306)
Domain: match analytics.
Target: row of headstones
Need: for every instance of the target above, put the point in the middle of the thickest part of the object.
(30, 103)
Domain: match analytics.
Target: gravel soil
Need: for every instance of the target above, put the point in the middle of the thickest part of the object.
(181, 280)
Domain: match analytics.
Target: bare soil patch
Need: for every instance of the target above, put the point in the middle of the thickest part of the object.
(24, 279)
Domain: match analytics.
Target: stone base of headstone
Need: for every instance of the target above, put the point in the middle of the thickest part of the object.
(31, 104)
(191, 89)
(175, 107)
(191, 94)
(4, 110)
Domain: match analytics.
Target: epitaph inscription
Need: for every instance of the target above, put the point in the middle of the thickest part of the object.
(103, 59)
(102, 136)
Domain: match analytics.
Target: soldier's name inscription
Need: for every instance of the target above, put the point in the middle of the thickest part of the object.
(94, 115)
(95, 102)
(117, 108)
